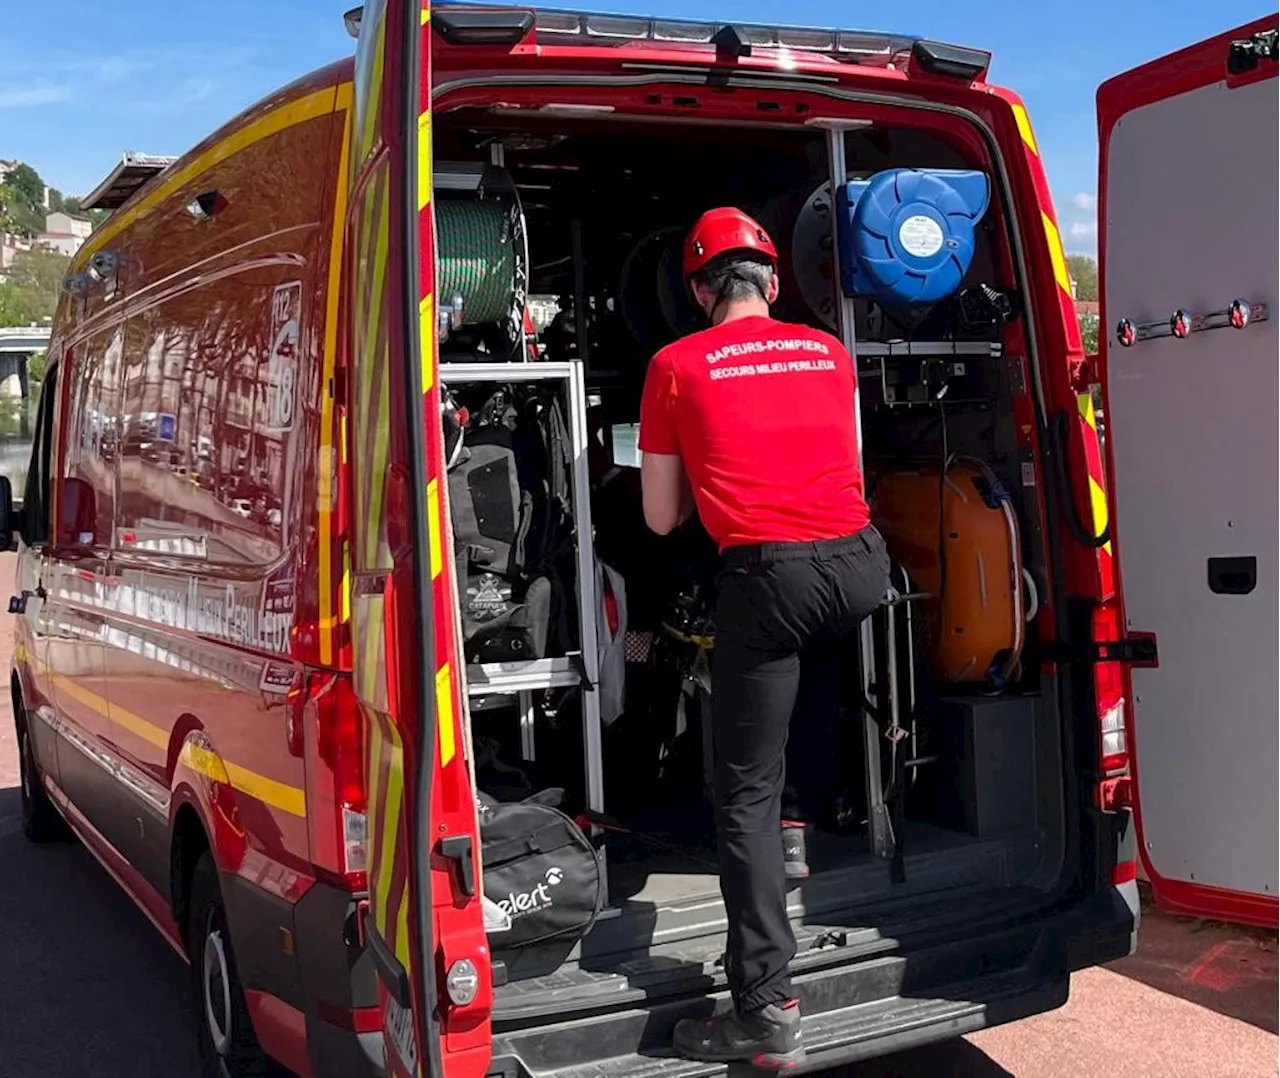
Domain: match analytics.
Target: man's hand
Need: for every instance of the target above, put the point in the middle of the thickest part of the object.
(668, 498)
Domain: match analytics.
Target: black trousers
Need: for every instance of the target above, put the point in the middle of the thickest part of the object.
(775, 601)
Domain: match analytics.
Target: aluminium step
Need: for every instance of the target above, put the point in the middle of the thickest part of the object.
(695, 967)
(851, 1012)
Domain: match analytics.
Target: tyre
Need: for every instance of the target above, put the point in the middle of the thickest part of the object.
(229, 1047)
(41, 822)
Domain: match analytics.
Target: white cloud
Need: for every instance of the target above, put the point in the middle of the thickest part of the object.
(1084, 201)
(1083, 230)
(30, 96)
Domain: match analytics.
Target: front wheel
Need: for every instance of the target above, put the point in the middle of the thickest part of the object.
(229, 1047)
(40, 820)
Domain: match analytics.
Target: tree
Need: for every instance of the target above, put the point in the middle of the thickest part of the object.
(30, 295)
(25, 183)
(1089, 333)
(22, 202)
(1084, 271)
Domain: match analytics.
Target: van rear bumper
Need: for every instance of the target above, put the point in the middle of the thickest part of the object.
(944, 989)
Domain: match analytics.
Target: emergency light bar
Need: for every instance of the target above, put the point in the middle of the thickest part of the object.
(554, 26)
(860, 45)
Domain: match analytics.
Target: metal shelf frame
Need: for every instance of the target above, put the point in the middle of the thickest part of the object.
(880, 830)
(581, 668)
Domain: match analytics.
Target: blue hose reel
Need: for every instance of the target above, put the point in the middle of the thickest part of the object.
(907, 236)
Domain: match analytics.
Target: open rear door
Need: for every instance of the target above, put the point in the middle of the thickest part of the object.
(424, 924)
(1188, 227)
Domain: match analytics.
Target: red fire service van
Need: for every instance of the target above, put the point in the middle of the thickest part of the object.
(341, 642)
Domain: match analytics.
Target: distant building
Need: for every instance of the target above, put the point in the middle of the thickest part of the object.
(10, 246)
(64, 233)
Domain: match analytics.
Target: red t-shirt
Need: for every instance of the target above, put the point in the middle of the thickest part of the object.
(762, 415)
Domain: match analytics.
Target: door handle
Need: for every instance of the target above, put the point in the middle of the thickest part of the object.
(1233, 576)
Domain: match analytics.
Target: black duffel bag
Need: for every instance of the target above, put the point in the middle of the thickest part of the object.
(539, 869)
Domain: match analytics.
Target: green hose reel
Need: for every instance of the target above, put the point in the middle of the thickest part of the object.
(482, 261)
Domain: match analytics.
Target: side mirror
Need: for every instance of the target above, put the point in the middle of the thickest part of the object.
(77, 513)
(10, 522)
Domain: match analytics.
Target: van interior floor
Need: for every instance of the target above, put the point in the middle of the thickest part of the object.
(667, 937)
(664, 931)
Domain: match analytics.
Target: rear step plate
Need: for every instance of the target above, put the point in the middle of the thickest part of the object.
(860, 1032)
(851, 1012)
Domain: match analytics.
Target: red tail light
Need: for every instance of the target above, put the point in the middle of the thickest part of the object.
(337, 800)
(1109, 691)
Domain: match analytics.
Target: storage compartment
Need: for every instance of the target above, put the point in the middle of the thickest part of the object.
(939, 774)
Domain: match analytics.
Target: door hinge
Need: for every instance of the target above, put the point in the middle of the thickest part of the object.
(1245, 54)
(1138, 650)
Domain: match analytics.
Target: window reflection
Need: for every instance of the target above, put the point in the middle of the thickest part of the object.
(91, 430)
(206, 416)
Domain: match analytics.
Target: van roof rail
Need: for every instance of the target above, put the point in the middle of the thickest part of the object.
(131, 172)
(551, 25)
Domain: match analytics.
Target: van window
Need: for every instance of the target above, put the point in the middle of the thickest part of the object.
(206, 415)
(36, 496)
(88, 451)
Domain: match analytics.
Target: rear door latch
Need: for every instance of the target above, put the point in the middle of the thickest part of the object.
(1138, 649)
(459, 848)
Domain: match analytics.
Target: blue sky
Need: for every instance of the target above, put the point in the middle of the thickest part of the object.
(155, 76)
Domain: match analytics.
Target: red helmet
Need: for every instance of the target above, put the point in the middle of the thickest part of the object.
(722, 230)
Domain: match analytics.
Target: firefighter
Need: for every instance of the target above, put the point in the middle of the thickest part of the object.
(752, 422)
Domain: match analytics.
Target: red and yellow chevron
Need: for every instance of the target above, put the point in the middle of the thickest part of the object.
(372, 595)
(1072, 347)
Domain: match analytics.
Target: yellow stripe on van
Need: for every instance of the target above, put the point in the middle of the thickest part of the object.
(393, 810)
(1055, 253)
(1023, 121)
(444, 714)
(1084, 401)
(288, 799)
(433, 527)
(278, 795)
(310, 107)
(328, 456)
(424, 160)
(139, 727)
(368, 122)
(373, 773)
(204, 762)
(426, 331)
(402, 933)
(1098, 500)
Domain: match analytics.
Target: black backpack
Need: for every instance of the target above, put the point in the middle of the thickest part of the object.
(509, 497)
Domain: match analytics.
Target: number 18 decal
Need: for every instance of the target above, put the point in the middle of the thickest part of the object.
(282, 363)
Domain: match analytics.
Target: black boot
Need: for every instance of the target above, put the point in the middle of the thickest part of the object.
(769, 1038)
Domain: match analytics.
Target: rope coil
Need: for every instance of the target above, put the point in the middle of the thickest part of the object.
(477, 258)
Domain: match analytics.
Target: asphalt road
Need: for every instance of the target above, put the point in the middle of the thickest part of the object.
(88, 988)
